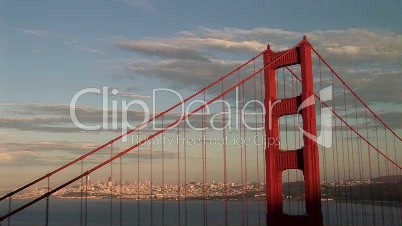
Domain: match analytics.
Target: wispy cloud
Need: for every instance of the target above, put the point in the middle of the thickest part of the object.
(140, 4)
(132, 95)
(116, 92)
(59, 38)
(88, 50)
(35, 32)
(162, 50)
(36, 152)
(184, 71)
(44, 146)
(6, 134)
(79, 46)
(56, 118)
(352, 45)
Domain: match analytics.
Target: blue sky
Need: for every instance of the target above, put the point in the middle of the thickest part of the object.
(49, 50)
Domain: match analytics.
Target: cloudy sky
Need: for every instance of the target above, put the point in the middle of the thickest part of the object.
(50, 50)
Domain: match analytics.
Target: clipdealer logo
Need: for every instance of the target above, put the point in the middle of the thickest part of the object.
(324, 139)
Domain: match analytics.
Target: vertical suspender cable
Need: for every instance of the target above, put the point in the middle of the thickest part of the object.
(361, 171)
(355, 218)
(245, 157)
(379, 172)
(348, 163)
(185, 173)
(86, 200)
(370, 171)
(111, 186)
(389, 198)
(178, 175)
(257, 149)
(47, 202)
(286, 140)
(9, 210)
(324, 154)
(163, 176)
(344, 191)
(263, 141)
(241, 154)
(152, 184)
(138, 181)
(121, 191)
(335, 154)
(203, 165)
(225, 185)
(398, 208)
(82, 191)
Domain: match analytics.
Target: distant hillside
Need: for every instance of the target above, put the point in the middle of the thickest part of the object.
(385, 188)
(389, 179)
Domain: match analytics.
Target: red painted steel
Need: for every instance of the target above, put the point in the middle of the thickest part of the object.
(279, 160)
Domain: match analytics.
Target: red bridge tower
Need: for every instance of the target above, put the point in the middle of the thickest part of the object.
(306, 158)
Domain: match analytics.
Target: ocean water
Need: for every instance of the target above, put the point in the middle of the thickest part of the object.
(68, 212)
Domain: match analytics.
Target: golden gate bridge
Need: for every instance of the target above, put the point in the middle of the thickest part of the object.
(284, 96)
